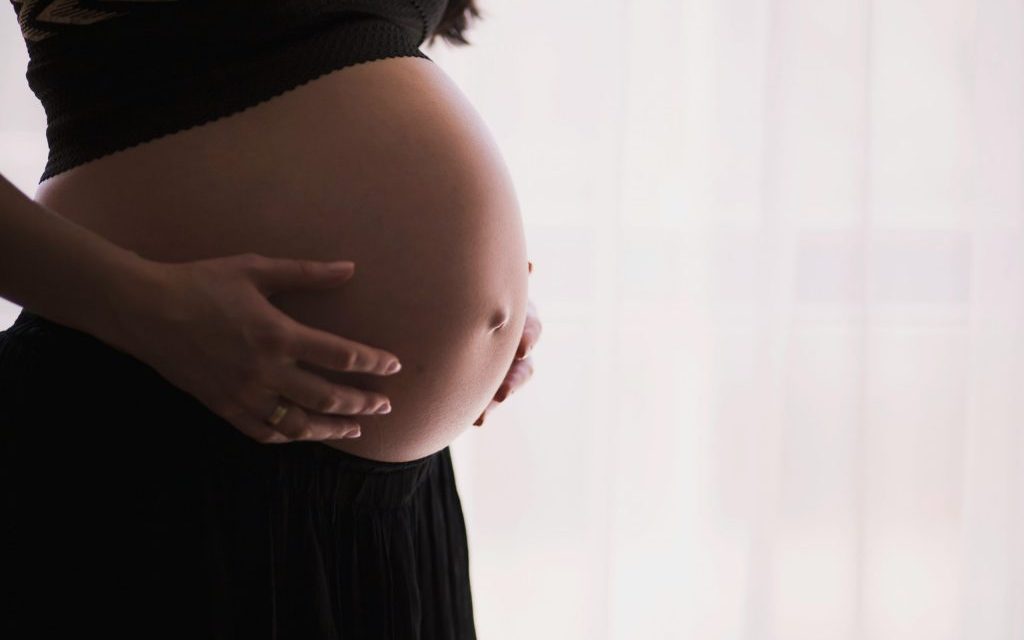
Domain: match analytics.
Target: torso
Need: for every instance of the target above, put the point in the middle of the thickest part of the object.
(384, 163)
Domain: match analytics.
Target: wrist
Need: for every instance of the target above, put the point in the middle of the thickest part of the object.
(135, 293)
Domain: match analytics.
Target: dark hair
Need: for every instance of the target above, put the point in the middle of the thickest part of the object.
(455, 21)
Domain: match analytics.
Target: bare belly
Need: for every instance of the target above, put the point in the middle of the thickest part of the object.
(384, 163)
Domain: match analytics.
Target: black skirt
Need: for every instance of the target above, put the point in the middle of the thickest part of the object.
(131, 510)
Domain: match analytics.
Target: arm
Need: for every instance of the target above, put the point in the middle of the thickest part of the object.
(206, 326)
(64, 271)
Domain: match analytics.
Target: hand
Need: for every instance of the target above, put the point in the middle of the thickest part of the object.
(208, 328)
(522, 367)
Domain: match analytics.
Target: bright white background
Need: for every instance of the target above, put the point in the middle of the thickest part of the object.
(779, 258)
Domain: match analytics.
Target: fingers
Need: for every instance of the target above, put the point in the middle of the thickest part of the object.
(297, 424)
(316, 394)
(521, 371)
(531, 334)
(275, 274)
(518, 374)
(307, 343)
(483, 416)
(331, 351)
(257, 430)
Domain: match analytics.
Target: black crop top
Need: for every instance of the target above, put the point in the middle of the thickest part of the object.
(111, 74)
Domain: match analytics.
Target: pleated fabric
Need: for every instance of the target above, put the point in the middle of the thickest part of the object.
(130, 510)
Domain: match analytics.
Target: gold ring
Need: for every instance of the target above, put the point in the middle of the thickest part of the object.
(279, 412)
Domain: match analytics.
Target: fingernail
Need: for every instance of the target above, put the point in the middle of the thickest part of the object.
(531, 266)
(502, 394)
(385, 408)
(354, 434)
(393, 367)
(339, 267)
(479, 422)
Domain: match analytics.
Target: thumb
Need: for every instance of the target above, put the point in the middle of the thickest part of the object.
(276, 274)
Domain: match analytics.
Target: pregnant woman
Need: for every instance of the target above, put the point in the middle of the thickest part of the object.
(167, 476)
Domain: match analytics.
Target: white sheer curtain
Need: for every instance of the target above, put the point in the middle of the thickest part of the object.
(779, 258)
(779, 251)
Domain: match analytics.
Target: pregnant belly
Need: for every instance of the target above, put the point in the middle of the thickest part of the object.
(384, 163)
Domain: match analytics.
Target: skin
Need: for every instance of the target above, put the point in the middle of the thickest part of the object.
(206, 326)
(385, 164)
(522, 367)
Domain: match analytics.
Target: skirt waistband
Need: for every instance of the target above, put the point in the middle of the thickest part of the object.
(30, 323)
(35, 343)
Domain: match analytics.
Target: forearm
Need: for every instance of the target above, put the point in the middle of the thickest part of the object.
(64, 271)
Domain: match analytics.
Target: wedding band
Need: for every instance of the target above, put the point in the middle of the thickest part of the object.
(279, 412)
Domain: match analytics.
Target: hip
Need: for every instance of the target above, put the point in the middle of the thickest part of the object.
(207, 531)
